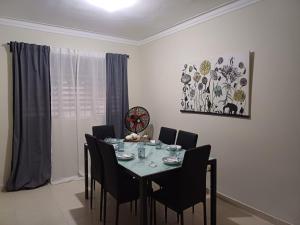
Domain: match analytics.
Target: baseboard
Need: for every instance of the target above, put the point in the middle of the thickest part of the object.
(59, 181)
(66, 179)
(272, 219)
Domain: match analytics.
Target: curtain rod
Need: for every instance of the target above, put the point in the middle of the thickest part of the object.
(8, 43)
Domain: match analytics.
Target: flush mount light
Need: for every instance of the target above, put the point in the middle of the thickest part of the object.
(112, 5)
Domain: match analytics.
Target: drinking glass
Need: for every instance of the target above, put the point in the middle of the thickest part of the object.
(141, 150)
(121, 146)
(158, 146)
(172, 151)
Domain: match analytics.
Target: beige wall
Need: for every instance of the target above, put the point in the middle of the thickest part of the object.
(55, 40)
(258, 159)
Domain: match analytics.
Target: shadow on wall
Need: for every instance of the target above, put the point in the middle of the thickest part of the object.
(8, 153)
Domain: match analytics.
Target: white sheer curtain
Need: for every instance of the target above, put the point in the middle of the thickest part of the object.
(78, 100)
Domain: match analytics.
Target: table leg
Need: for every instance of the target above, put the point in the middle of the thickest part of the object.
(143, 200)
(86, 178)
(213, 192)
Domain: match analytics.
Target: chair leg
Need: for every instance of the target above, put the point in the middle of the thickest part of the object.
(94, 184)
(193, 209)
(182, 219)
(101, 201)
(91, 200)
(166, 214)
(104, 210)
(131, 206)
(135, 207)
(177, 217)
(154, 213)
(151, 211)
(117, 213)
(150, 188)
(204, 212)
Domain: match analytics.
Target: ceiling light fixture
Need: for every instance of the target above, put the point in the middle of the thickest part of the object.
(112, 5)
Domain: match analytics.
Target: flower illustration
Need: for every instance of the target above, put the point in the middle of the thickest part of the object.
(197, 77)
(185, 78)
(239, 96)
(192, 93)
(230, 72)
(214, 74)
(241, 65)
(205, 67)
(204, 80)
(227, 87)
(218, 91)
(185, 66)
(243, 82)
(190, 68)
(200, 86)
(220, 60)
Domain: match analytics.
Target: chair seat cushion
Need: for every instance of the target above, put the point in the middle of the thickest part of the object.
(169, 198)
(168, 179)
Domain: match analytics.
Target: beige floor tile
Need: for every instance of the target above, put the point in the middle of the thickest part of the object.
(40, 217)
(64, 204)
(7, 203)
(8, 218)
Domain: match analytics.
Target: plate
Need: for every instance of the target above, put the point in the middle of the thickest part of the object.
(174, 147)
(124, 156)
(111, 140)
(171, 161)
(153, 142)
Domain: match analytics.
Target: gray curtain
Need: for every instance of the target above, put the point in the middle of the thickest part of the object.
(31, 151)
(116, 92)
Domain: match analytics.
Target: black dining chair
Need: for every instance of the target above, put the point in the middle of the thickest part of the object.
(104, 131)
(186, 140)
(123, 187)
(167, 135)
(188, 186)
(96, 168)
(107, 131)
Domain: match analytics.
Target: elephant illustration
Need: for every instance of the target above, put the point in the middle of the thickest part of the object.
(232, 108)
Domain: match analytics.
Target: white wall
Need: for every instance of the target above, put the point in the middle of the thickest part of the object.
(258, 159)
(55, 40)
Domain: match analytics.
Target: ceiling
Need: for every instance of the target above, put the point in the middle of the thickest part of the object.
(146, 18)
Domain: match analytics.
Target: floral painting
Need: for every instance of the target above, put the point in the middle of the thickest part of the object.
(217, 86)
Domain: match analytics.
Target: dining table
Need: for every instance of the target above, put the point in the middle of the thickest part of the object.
(152, 165)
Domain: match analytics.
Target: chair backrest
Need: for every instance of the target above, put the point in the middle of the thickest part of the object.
(187, 140)
(110, 167)
(104, 131)
(192, 177)
(167, 135)
(96, 159)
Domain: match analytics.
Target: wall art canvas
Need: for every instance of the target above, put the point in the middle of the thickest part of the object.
(217, 85)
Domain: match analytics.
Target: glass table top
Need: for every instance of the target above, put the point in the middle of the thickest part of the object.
(152, 163)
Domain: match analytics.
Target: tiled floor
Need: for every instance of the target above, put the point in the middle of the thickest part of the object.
(64, 204)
